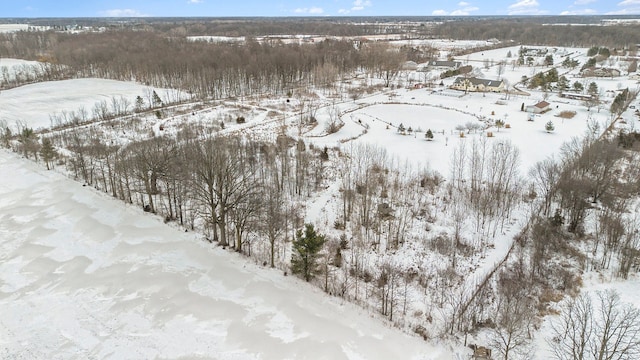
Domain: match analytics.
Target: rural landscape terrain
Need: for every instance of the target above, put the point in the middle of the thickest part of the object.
(339, 188)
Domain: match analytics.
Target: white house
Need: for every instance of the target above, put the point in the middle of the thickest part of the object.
(600, 72)
(478, 85)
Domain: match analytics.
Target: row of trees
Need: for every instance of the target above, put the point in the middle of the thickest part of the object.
(237, 190)
(29, 73)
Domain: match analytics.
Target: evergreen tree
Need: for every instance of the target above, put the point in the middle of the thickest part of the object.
(401, 129)
(549, 127)
(551, 76)
(139, 103)
(619, 103)
(589, 64)
(570, 63)
(429, 135)
(157, 102)
(592, 89)
(577, 86)
(48, 152)
(563, 83)
(306, 247)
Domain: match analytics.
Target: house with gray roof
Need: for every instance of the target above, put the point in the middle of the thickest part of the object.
(440, 65)
(473, 84)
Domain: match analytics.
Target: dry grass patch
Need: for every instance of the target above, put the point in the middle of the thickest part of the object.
(567, 114)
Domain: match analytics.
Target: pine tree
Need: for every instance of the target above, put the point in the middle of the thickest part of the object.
(577, 86)
(549, 127)
(139, 103)
(593, 89)
(429, 135)
(401, 129)
(48, 152)
(157, 102)
(305, 252)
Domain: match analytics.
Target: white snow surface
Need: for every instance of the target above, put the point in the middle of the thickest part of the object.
(84, 277)
(9, 28)
(33, 104)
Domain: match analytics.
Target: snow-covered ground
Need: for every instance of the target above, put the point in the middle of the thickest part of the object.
(115, 283)
(33, 104)
(82, 276)
(422, 110)
(9, 28)
(10, 67)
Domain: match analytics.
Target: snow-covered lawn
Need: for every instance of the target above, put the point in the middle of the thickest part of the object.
(422, 110)
(83, 276)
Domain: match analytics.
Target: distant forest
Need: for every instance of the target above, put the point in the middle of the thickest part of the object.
(584, 31)
(535, 33)
(156, 51)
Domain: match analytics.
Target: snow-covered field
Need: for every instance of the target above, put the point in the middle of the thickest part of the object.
(82, 276)
(33, 104)
(9, 67)
(8, 28)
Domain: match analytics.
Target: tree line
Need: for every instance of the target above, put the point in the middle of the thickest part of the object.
(205, 70)
(532, 32)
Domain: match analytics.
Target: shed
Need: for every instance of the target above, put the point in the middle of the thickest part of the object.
(539, 108)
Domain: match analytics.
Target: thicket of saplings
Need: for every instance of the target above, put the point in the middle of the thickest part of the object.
(248, 195)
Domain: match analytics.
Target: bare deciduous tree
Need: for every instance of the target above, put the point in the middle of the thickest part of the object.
(610, 329)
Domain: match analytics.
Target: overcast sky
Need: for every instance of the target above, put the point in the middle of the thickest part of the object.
(214, 8)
